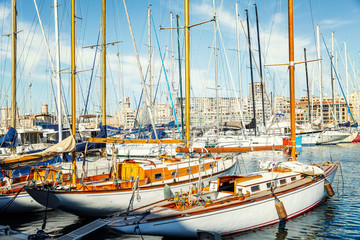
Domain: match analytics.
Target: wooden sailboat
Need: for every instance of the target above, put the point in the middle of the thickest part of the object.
(238, 203)
(147, 179)
(13, 197)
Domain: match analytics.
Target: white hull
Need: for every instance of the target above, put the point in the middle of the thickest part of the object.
(331, 137)
(142, 150)
(232, 219)
(22, 203)
(309, 139)
(350, 138)
(104, 203)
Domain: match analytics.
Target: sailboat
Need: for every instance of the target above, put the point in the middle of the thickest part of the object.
(146, 179)
(238, 203)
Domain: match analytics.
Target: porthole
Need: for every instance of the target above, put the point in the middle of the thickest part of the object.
(188, 171)
(282, 181)
(255, 188)
(158, 176)
(173, 174)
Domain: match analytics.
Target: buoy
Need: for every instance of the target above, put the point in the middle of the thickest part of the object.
(280, 209)
(329, 189)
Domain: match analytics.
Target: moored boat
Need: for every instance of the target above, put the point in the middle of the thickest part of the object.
(240, 203)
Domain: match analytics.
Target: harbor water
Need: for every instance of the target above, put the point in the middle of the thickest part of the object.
(336, 218)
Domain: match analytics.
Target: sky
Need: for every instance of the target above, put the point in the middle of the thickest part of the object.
(36, 83)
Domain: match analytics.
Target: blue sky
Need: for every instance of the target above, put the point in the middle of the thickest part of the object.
(123, 79)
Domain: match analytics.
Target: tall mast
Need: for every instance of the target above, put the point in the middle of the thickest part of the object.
(260, 66)
(180, 78)
(149, 52)
(251, 70)
(347, 75)
(73, 84)
(187, 71)
(13, 62)
(320, 74)
(307, 85)
(216, 71)
(333, 78)
(292, 79)
(58, 81)
(239, 65)
(172, 54)
(104, 63)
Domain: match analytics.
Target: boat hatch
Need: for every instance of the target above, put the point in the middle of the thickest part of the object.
(132, 170)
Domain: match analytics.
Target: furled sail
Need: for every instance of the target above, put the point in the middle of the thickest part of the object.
(20, 161)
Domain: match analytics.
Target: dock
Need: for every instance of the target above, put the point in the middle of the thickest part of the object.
(84, 230)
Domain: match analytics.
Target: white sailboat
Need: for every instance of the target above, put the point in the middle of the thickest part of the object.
(238, 203)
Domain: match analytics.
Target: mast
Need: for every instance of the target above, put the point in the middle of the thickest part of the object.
(149, 52)
(187, 71)
(172, 54)
(239, 65)
(73, 84)
(333, 78)
(320, 75)
(180, 78)
(292, 80)
(216, 72)
(260, 66)
(251, 71)
(307, 85)
(347, 76)
(13, 63)
(104, 63)
(58, 80)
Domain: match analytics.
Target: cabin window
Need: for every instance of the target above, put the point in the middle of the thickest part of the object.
(211, 165)
(173, 174)
(188, 171)
(158, 176)
(268, 185)
(282, 181)
(255, 188)
(293, 178)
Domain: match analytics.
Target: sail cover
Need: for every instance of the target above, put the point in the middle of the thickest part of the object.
(20, 161)
(9, 139)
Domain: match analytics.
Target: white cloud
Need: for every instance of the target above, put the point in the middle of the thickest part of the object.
(334, 23)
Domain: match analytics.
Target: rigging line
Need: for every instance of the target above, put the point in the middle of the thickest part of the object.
(158, 83)
(271, 28)
(167, 81)
(29, 42)
(352, 80)
(92, 74)
(208, 69)
(257, 68)
(230, 74)
(112, 81)
(197, 110)
(342, 60)
(4, 60)
(327, 50)
(312, 21)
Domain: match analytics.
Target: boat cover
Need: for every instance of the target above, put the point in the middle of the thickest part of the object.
(9, 139)
(20, 161)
